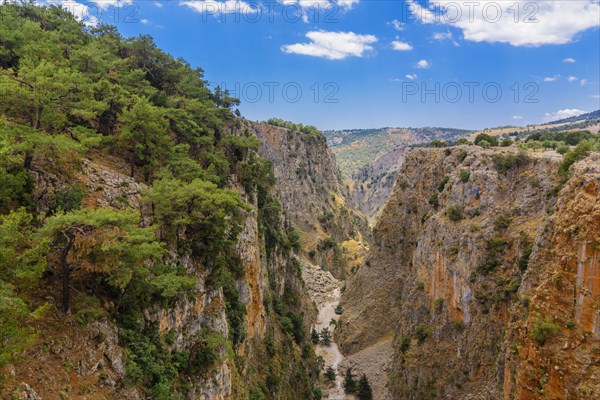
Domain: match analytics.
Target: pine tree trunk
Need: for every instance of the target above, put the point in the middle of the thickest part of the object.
(66, 275)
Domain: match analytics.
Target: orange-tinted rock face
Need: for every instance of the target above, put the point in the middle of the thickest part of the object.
(473, 315)
(588, 288)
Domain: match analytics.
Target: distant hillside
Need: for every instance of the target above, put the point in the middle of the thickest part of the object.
(589, 122)
(583, 117)
(358, 148)
(369, 160)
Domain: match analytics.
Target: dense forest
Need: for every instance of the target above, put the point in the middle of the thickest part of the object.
(70, 91)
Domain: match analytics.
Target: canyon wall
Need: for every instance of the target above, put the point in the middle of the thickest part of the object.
(483, 274)
(268, 353)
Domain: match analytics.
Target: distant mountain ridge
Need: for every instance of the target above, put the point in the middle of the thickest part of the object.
(369, 159)
(583, 117)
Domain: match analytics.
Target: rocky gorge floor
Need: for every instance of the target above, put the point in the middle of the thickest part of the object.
(325, 292)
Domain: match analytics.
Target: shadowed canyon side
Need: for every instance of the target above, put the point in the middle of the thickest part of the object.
(334, 235)
(483, 270)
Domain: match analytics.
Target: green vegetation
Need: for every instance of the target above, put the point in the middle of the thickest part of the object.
(494, 249)
(314, 336)
(555, 138)
(405, 344)
(422, 332)
(310, 132)
(570, 324)
(330, 373)
(485, 140)
(455, 212)
(349, 383)
(71, 92)
(464, 176)
(358, 148)
(571, 157)
(502, 222)
(364, 391)
(505, 162)
(433, 200)
(443, 183)
(339, 310)
(325, 337)
(438, 143)
(543, 329)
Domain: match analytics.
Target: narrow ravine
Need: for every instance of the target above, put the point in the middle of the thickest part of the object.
(325, 291)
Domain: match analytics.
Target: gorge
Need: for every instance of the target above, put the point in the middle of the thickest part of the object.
(155, 244)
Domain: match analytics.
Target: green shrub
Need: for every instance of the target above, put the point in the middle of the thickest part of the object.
(326, 244)
(502, 222)
(464, 176)
(433, 200)
(570, 324)
(422, 332)
(506, 142)
(294, 239)
(563, 149)
(490, 140)
(87, 309)
(317, 393)
(438, 143)
(438, 304)
(454, 213)
(405, 344)
(443, 183)
(571, 157)
(507, 162)
(339, 310)
(543, 329)
(534, 183)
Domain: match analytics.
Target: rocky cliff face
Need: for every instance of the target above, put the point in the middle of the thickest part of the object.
(333, 234)
(371, 187)
(271, 288)
(484, 276)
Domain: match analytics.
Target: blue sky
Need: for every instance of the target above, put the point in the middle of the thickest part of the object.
(367, 63)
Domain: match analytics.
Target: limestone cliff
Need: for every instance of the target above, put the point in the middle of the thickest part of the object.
(88, 361)
(333, 234)
(484, 275)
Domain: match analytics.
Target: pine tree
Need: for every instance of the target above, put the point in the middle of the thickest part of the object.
(349, 382)
(325, 337)
(314, 336)
(364, 389)
(98, 241)
(330, 373)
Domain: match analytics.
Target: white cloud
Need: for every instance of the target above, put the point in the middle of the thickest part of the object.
(348, 4)
(321, 4)
(399, 26)
(144, 21)
(333, 45)
(158, 4)
(220, 7)
(540, 22)
(412, 77)
(569, 60)
(401, 46)
(583, 82)
(551, 78)
(572, 79)
(518, 117)
(86, 13)
(595, 96)
(423, 64)
(442, 35)
(561, 114)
